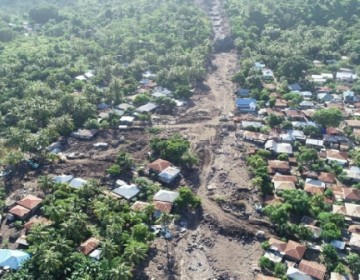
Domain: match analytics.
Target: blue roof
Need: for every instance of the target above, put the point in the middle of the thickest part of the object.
(245, 101)
(12, 258)
(295, 87)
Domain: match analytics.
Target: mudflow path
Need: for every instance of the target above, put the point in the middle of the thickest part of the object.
(219, 242)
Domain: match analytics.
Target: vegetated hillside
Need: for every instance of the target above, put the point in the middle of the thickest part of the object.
(288, 35)
(44, 45)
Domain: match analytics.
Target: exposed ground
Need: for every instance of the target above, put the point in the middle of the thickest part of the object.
(222, 244)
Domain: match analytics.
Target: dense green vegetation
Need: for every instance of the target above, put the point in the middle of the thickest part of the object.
(288, 35)
(118, 40)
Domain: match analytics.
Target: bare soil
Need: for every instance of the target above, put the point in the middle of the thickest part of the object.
(220, 242)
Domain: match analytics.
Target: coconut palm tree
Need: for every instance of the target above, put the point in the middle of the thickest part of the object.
(121, 272)
(50, 261)
(149, 211)
(45, 183)
(135, 252)
(109, 249)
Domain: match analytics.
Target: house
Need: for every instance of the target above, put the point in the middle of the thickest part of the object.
(313, 189)
(127, 120)
(348, 96)
(295, 274)
(254, 136)
(346, 76)
(267, 74)
(84, 134)
(127, 191)
(139, 206)
(324, 97)
(77, 183)
(285, 178)
(353, 173)
(295, 87)
(80, 78)
(159, 165)
(330, 140)
(306, 105)
(63, 179)
(354, 229)
(124, 107)
(149, 75)
(278, 148)
(324, 89)
(314, 269)
(354, 242)
(336, 156)
(37, 220)
(247, 124)
(352, 210)
(277, 245)
(327, 177)
(169, 174)
(294, 114)
(294, 251)
(13, 258)
(338, 244)
(246, 105)
(306, 94)
(281, 104)
(283, 185)
(292, 135)
(160, 92)
(162, 207)
(30, 202)
(243, 92)
(147, 108)
(279, 166)
(89, 245)
(353, 123)
(302, 124)
(315, 231)
(20, 212)
(167, 196)
(259, 66)
(314, 143)
(350, 194)
(276, 112)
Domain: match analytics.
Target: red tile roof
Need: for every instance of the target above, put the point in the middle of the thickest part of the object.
(30, 201)
(351, 194)
(159, 165)
(285, 178)
(19, 211)
(313, 189)
(313, 269)
(327, 177)
(278, 164)
(294, 250)
(163, 207)
(89, 245)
